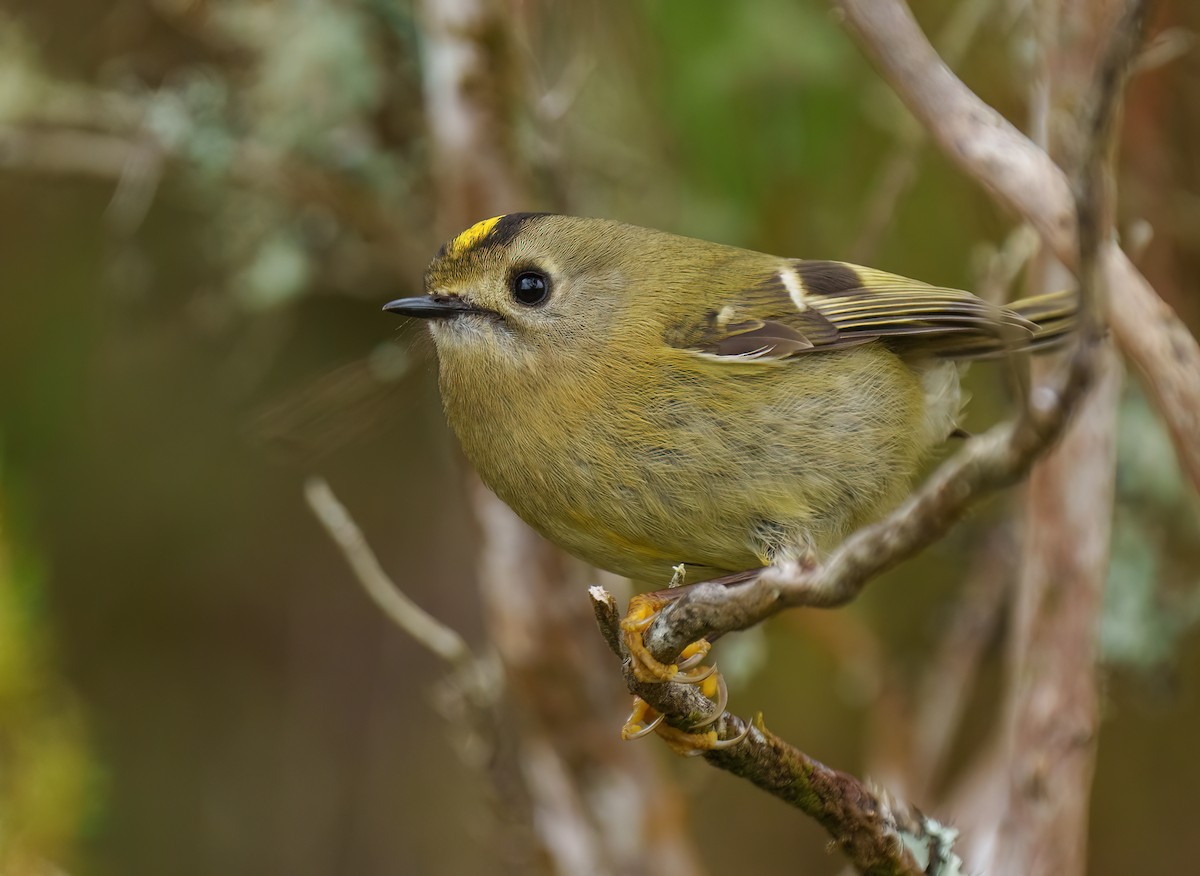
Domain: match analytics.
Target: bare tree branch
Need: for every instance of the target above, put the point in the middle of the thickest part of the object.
(435, 636)
(468, 699)
(1053, 713)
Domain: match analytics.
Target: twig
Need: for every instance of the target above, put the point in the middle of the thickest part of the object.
(406, 614)
(469, 699)
(879, 834)
(1022, 177)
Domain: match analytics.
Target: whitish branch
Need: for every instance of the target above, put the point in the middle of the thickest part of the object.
(392, 601)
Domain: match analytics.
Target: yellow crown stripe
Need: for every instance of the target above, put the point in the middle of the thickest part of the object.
(472, 236)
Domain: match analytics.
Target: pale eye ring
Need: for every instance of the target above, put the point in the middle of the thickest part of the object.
(530, 287)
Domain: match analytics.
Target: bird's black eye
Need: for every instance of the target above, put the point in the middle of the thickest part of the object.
(530, 288)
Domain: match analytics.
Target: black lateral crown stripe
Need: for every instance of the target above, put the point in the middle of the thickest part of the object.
(827, 278)
(506, 229)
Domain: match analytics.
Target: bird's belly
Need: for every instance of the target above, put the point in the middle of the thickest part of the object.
(688, 474)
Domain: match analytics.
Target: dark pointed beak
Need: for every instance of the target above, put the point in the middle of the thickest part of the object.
(431, 307)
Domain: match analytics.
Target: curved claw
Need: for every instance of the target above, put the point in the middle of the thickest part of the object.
(691, 744)
(719, 704)
(691, 662)
(644, 731)
(722, 695)
(736, 740)
(694, 677)
(641, 624)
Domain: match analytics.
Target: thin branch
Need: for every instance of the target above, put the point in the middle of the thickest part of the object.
(402, 611)
(469, 699)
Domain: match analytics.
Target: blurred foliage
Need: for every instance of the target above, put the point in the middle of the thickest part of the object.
(203, 202)
(47, 782)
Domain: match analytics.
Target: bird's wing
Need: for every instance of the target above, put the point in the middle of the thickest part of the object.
(810, 306)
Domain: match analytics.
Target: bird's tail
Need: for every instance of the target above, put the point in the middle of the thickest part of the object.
(1043, 323)
(1053, 316)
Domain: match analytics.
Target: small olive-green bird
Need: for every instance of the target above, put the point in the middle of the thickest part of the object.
(647, 400)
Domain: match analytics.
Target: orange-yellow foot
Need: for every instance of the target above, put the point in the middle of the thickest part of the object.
(643, 609)
(644, 720)
(641, 721)
(688, 744)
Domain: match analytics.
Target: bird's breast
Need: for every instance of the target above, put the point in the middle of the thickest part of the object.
(637, 467)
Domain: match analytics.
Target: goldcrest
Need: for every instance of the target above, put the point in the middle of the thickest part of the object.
(647, 400)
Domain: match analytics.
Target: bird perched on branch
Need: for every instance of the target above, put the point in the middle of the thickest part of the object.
(649, 401)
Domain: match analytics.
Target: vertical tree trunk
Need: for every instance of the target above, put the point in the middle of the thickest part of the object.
(1053, 709)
